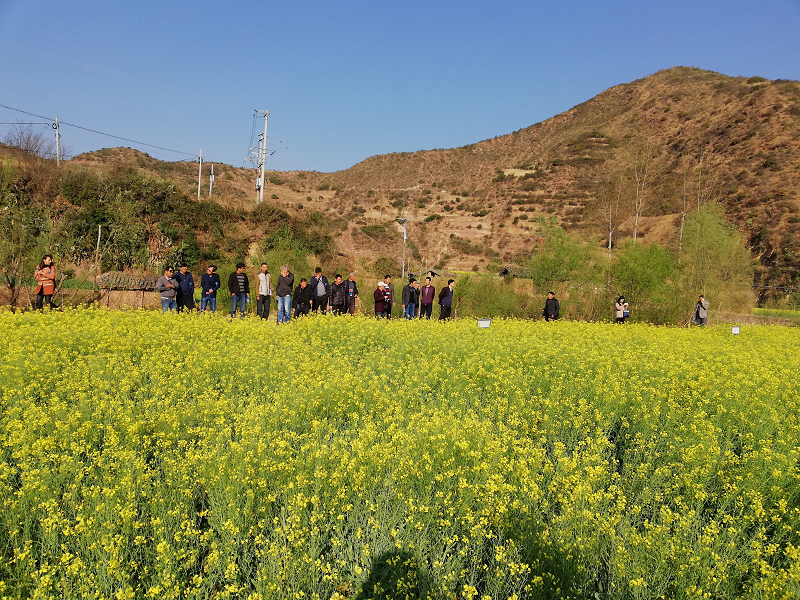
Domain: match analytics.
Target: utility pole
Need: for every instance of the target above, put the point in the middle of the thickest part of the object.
(403, 222)
(200, 175)
(58, 142)
(211, 181)
(261, 157)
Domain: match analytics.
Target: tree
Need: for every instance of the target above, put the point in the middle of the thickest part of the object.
(642, 164)
(707, 191)
(717, 263)
(609, 197)
(21, 226)
(647, 276)
(24, 137)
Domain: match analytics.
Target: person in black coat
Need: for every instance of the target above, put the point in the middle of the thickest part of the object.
(302, 298)
(551, 307)
(239, 287)
(338, 296)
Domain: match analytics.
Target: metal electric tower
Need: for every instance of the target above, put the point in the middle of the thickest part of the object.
(260, 158)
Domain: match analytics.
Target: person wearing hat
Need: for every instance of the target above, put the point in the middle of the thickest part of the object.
(621, 309)
(380, 300)
(551, 307)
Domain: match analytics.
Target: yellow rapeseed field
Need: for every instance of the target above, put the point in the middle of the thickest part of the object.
(182, 456)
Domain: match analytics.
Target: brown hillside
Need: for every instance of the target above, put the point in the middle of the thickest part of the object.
(719, 138)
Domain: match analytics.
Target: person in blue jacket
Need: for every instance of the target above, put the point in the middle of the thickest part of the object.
(209, 283)
(185, 295)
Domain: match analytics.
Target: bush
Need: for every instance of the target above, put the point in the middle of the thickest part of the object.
(433, 217)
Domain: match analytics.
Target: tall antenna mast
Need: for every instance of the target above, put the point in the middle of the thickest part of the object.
(261, 156)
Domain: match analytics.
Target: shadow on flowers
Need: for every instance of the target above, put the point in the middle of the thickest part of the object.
(394, 575)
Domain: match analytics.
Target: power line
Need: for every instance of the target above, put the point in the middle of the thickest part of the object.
(100, 132)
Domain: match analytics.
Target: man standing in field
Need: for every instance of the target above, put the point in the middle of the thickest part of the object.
(352, 293)
(551, 307)
(209, 284)
(167, 286)
(427, 294)
(321, 291)
(338, 296)
(302, 298)
(185, 293)
(409, 299)
(284, 291)
(446, 300)
(701, 311)
(239, 287)
(264, 292)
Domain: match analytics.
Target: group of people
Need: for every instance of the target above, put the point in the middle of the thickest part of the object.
(317, 295)
(415, 301)
(177, 291)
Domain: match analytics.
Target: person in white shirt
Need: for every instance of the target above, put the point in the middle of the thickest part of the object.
(264, 292)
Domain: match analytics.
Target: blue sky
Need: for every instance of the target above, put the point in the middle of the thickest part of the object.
(347, 80)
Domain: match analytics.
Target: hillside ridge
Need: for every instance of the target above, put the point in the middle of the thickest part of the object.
(711, 138)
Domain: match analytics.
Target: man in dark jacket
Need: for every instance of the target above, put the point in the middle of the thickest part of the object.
(551, 307)
(284, 292)
(446, 300)
(409, 299)
(239, 287)
(320, 291)
(427, 294)
(352, 293)
(209, 284)
(185, 291)
(302, 298)
(338, 296)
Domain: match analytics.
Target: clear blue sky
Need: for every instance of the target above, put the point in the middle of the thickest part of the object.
(347, 80)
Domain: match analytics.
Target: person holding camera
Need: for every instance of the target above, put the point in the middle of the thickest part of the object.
(621, 310)
(551, 307)
(701, 311)
(167, 287)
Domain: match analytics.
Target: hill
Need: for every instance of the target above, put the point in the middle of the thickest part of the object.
(698, 136)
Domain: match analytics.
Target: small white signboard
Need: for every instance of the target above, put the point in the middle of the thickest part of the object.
(735, 330)
(484, 323)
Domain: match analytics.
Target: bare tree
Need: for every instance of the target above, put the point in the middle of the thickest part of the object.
(642, 167)
(708, 188)
(37, 143)
(609, 201)
(684, 210)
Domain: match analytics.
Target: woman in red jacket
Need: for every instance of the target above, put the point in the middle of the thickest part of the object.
(45, 274)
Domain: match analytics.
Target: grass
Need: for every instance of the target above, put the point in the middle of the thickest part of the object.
(178, 456)
(776, 312)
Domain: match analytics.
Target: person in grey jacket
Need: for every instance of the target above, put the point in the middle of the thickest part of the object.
(167, 286)
(701, 311)
(284, 291)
